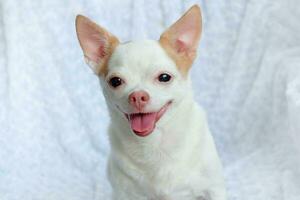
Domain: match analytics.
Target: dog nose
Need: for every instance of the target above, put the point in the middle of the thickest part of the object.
(139, 99)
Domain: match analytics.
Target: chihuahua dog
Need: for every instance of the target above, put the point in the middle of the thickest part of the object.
(161, 146)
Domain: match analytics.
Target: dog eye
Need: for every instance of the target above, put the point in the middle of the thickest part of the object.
(164, 77)
(115, 81)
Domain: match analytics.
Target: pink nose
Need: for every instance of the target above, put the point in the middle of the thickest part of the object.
(139, 99)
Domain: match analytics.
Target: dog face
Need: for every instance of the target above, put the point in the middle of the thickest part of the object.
(142, 80)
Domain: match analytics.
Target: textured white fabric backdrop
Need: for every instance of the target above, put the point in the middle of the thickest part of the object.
(53, 118)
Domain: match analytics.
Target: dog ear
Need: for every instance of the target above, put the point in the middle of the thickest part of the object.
(97, 44)
(180, 41)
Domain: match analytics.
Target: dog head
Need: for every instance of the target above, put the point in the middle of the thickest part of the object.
(142, 80)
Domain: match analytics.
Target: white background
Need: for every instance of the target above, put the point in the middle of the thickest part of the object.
(53, 143)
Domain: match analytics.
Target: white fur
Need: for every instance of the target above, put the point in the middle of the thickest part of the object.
(178, 160)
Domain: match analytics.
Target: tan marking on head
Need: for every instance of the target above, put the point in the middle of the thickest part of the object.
(180, 41)
(97, 44)
(114, 42)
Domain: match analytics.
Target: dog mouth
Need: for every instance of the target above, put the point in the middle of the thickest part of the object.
(143, 124)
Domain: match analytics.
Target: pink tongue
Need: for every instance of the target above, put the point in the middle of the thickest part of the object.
(142, 122)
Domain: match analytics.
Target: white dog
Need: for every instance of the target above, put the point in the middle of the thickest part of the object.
(161, 146)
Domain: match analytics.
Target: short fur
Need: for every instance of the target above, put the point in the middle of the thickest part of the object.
(178, 160)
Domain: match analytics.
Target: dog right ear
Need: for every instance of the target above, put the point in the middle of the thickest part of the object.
(97, 44)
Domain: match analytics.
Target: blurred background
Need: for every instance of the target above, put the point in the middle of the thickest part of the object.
(53, 118)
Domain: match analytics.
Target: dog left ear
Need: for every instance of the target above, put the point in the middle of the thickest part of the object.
(180, 41)
(96, 42)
